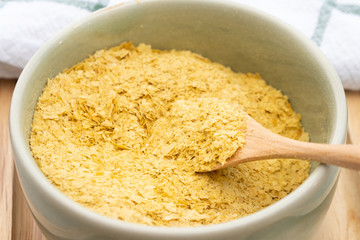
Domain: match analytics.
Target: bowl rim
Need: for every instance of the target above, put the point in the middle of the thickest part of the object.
(323, 173)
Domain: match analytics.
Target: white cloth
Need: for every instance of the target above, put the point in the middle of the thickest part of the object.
(334, 25)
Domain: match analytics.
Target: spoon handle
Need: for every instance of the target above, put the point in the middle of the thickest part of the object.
(347, 156)
(263, 144)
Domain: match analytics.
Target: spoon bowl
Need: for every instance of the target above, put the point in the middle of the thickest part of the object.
(262, 144)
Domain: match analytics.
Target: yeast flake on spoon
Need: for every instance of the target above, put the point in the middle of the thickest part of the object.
(262, 144)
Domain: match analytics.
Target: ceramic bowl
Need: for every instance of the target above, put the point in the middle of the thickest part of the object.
(245, 39)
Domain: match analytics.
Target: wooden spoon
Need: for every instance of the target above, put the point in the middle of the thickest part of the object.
(262, 144)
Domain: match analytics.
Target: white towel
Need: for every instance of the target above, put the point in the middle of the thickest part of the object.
(334, 25)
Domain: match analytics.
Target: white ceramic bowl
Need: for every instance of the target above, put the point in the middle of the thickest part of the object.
(224, 31)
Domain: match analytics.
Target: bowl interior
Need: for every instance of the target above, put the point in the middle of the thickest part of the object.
(233, 37)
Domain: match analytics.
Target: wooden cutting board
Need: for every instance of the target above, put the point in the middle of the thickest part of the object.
(342, 221)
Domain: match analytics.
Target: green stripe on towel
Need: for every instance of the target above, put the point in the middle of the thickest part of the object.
(325, 15)
(87, 5)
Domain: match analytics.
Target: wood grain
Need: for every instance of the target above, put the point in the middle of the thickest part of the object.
(16, 221)
(343, 218)
(342, 221)
(6, 161)
(24, 225)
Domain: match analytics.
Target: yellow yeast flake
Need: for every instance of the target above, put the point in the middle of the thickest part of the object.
(122, 131)
(199, 133)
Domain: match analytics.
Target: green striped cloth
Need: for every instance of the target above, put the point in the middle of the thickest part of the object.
(334, 25)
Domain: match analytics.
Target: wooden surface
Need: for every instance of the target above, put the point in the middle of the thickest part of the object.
(342, 221)
(343, 218)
